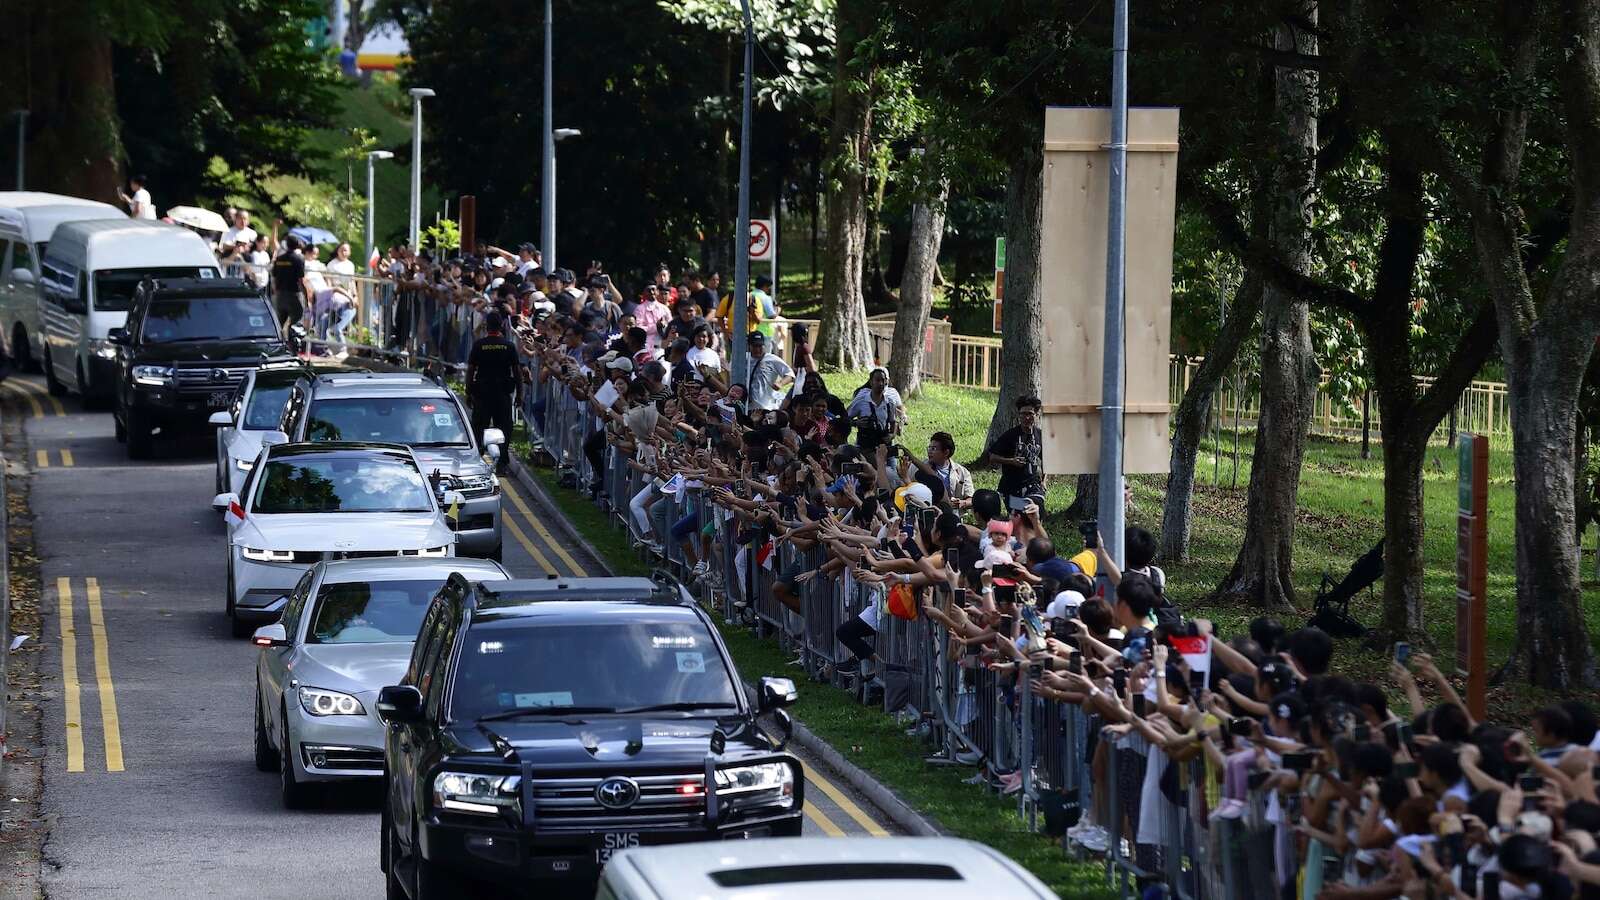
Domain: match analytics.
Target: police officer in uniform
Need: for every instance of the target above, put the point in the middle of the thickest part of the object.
(493, 373)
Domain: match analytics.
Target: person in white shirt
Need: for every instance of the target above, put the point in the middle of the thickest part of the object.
(139, 204)
(701, 353)
(260, 262)
(239, 232)
(770, 376)
(343, 268)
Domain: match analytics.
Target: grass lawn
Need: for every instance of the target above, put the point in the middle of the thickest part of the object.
(874, 741)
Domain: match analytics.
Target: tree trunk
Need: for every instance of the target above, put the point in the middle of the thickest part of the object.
(1085, 499)
(843, 341)
(816, 210)
(1263, 570)
(916, 292)
(1021, 318)
(1404, 454)
(1194, 413)
(61, 69)
(876, 288)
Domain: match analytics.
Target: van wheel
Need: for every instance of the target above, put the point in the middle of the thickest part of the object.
(92, 397)
(54, 386)
(138, 433)
(21, 352)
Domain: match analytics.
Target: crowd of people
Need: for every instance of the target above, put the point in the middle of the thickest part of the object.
(1345, 795)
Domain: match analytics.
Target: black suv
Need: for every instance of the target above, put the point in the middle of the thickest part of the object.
(543, 725)
(186, 347)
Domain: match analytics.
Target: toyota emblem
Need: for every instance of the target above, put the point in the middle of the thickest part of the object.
(617, 793)
(219, 374)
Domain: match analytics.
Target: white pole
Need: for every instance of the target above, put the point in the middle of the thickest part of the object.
(547, 186)
(417, 95)
(1112, 377)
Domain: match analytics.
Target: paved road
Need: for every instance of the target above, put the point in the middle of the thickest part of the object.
(149, 778)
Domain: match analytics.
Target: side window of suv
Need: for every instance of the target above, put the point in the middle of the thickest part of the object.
(436, 670)
(424, 645)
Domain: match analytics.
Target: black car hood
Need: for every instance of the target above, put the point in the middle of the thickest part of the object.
(638, 743)
(215, 352)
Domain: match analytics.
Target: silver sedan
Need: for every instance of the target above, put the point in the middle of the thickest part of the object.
(347, 630)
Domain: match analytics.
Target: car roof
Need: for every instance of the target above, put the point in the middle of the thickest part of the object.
(275, 377)
(339, 448)
(375, 384)
(770, 867)
(41, 220)
(411, 569)
(575, 599)
(208, 288)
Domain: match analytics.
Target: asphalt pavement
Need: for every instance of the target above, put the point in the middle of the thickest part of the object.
(149, 784)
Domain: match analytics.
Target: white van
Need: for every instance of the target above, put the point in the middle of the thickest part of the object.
(87, 280)
(27, 221)
(818, 869)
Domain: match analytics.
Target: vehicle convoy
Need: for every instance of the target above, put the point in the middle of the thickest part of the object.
(541, 726)
(28, 220)
(187, 345)
(254, 414)
(346, 632)
(87, 280)
(305, 503)
(820, 869)
(421, 412)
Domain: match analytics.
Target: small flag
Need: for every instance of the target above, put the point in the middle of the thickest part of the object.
(454, 512)
(373, 260)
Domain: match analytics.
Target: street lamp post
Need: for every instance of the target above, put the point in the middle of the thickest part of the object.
(417, 96)
(549, 237)
(1112, 376)
(741, 238)
(22, 144)
(372, 247)
(547, 185)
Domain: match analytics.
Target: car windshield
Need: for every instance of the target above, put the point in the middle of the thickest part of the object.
(361, 612)
(432, 421)
(212, 318)
(518, 663)
(113, 288)
(329, 484)
(265, 410)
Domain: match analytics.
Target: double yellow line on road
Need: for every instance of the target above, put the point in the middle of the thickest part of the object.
(72, 689)
(41, 458)
(33, 394)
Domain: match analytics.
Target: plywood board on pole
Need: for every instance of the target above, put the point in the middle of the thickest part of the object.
(1073, 277)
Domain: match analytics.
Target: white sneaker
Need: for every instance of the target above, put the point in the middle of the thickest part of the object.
(700, 569)
(1094, 838)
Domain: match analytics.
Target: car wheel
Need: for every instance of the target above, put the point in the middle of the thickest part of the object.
(266, 757)
(21, 350)
(122, 430)
(294, 793)
(51, 383)
(139, 437)
(428, 881)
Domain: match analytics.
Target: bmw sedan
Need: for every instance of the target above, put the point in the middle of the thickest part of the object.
(305, 503)
(254, 413)
(346, 631)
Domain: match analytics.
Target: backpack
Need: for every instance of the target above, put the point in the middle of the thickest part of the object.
(902, 602)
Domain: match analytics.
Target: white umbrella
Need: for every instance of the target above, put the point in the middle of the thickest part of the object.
(195, 217)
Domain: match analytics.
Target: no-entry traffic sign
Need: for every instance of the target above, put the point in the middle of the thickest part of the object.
(761, 239)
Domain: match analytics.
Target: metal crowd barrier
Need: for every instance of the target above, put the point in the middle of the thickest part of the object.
(5, 617)
(966, 713)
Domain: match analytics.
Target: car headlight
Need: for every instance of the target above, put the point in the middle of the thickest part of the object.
(103, 349)
(267, 555)
(766, 784)
(319, 702)
(245, 465)
(471, 792)
(156, 375)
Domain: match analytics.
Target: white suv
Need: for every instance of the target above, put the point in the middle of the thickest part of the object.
(304, 503)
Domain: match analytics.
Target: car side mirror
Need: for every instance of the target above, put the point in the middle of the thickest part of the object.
(493, 436)
(399, 703)
(221, 417)
(22, 276)
(494, 452)
(272, 635)
(274, 437)
(117, 336)
(777, 693)
(222, 501)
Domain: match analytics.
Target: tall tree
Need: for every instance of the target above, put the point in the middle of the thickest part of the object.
(916, 289)
(843, 340)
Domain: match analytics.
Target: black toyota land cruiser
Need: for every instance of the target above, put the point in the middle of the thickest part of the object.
(187, 344)
(543, 725)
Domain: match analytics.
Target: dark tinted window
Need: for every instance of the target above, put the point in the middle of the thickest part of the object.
(513, 662)
(113, 288)
(325, 484)
(216, 319)
(370, 612)
(266, 407)
(418, 421)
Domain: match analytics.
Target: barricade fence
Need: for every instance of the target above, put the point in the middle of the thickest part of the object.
(1062, 767)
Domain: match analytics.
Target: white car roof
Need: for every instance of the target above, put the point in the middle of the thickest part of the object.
(23, 199)
(129, 244)
(962, 870)
(39, 222)
(411, 569)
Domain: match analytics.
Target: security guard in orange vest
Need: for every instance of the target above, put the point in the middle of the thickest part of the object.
(493, 373)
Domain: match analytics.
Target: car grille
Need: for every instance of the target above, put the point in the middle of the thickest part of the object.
(205, 380)
(311, 557)
(360, 759)
(569, 804)
(478, 522)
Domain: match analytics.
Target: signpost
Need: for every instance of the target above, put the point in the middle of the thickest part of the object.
(999, 279)
(1472, 547)
(761, 243)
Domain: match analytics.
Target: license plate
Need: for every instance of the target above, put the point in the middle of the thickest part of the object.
(221, 398)
(611, 842)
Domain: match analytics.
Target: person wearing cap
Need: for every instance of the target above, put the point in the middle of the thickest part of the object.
(770, 376)
(493, 373)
